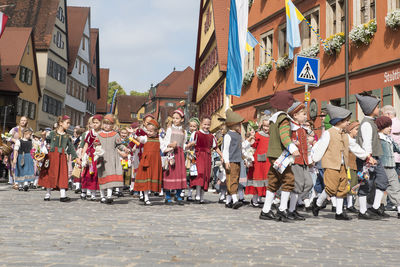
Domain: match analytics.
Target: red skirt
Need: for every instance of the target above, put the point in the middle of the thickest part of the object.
(257, 179)
(90, 181)
(203, 164)
(56, 175)
(175, 176)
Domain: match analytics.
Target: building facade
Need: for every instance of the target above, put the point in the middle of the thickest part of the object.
(369, 70)
(101, 106)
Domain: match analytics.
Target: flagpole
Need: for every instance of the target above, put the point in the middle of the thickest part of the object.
(346, 67)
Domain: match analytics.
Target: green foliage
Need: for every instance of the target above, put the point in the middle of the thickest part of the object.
(133, 92)
(111, 88)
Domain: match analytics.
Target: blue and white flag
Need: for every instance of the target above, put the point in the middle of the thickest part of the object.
(238, 17)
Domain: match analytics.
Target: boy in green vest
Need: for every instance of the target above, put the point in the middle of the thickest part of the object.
(279, 141)
(333, 151)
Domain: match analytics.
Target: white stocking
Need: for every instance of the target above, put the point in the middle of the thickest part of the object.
(293, 201)
(269, 198)
(109, 192)
(62, 193)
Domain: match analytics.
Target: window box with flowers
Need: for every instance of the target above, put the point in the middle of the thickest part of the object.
(312, 51)
(392, 19)
(363, 34)
(264, 70)
(248, 77)
(333, 44)
(283, 63)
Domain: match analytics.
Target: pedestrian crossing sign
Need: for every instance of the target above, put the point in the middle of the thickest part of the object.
(306, 70)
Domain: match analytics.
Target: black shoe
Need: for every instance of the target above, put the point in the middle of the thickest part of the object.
(180, 202)
(46, 199)
(131, 192)
(119, 194)
(189, 199)
(296, 216)
(103, 200)
(308, 209)
(352, 209)
(300, 207)
(398, 215)
(342, 217)
(65, 199)
(78, 191)
(141, 198)
(390, 208)
(382, 210)
(109, 201)
(378, 212)
(254, 205)
(148, 203)
(315, 208)
(20, 189)
(221, 201)
(229, 205)
(274, 206)
(267, 216)
(237, 205)
(26, 187)
(367, 216)
(34, 187)
(283, 216)
(333, 209)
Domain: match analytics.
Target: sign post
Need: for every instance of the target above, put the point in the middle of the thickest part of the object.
(306, 71)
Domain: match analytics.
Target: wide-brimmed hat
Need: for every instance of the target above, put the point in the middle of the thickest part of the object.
(337, 114)
(281, 100)
(367, 103)
(233, 118)
(38, 134)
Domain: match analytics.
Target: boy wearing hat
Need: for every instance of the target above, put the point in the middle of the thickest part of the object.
(280, 140)
(333, 151)
(384, 125)
(368, 139)
(302, 176)
(232, 156)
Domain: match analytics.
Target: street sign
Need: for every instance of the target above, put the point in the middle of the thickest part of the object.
(306, 70)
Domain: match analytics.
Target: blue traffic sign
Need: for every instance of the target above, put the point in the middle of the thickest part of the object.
(306, 70)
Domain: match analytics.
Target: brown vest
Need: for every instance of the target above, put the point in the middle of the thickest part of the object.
(338, 146)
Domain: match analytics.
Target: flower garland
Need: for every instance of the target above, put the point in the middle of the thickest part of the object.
(248, 77)
(283, 63)
(363, 34)
(312, 51)
(334, 43)
(264, 70)
(392, 19)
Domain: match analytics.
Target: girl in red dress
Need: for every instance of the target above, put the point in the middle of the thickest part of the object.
(257, 176)
(203, 142)
(89, 179)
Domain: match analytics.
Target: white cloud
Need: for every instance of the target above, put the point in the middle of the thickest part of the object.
(141, 41)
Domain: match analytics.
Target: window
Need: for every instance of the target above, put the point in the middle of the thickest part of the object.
(22, 74)
(51, 105)
(57, 39)
(364, 11)
(83, 43)
(83, 68)
(334, 17)
(393, 5)
(308, 37)
(169, 104)
(56, 71)
(19, 107)
(340, 102)
(29, 76)
(32, 110)
(60, 14)
(249, 61)
(80, 67)
(387, 96)
(283, 48)
(266, 42)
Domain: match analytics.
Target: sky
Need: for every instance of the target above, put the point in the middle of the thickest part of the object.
(141, 41)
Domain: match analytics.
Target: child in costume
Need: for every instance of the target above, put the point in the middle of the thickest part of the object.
(23, 161)
(77, 180)
(368, 139)
(204, 142)
(55, 175)
(194, 124)
(302, 177)
(134, 156)
(109, 167)
(247, 158)
(175, 177)
(257, 179)
(279, 141)
(333, 151)
(89, 177)
(232, 156)
(384, 125)
(149, 175)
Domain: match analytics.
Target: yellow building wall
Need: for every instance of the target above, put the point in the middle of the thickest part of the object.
(29, 92)
(205, 37)
(140, 112)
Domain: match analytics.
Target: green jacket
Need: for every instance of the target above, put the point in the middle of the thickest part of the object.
(275, 146)
(61, 142)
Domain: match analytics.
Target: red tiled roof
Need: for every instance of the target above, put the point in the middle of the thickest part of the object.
(176, 84)
(39, 14)
(7, 83)
(101, 106)
(77, 17)
(127, 105)
(221, 24)
(12, 47)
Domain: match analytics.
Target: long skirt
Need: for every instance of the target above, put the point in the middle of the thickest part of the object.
(148, 176)
(203, 164)
(25, 173)
(88, 180)
(257, 178)
(56, 175)
(175, 176)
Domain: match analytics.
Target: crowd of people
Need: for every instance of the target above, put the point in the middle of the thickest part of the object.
(279, 161)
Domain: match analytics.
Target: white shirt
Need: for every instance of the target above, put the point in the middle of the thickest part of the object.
(366, 133)
(167, 139)
(319, 149)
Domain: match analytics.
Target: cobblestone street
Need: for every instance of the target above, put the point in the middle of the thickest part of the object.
(84, 233)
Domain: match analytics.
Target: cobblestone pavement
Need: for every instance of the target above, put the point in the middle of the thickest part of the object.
(84, 233)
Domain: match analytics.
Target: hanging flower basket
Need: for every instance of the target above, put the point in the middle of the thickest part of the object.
(363, 34)
(334, 43)
(283, 63)
(312, 51)
(392, 19)
(264, 70)
(248, 77)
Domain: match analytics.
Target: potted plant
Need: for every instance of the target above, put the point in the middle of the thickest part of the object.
(333, 44)
(283, 63)
(363, 34)
(392, 19)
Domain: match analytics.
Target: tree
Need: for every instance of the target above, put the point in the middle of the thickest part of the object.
(133, 92)
(111, 88)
